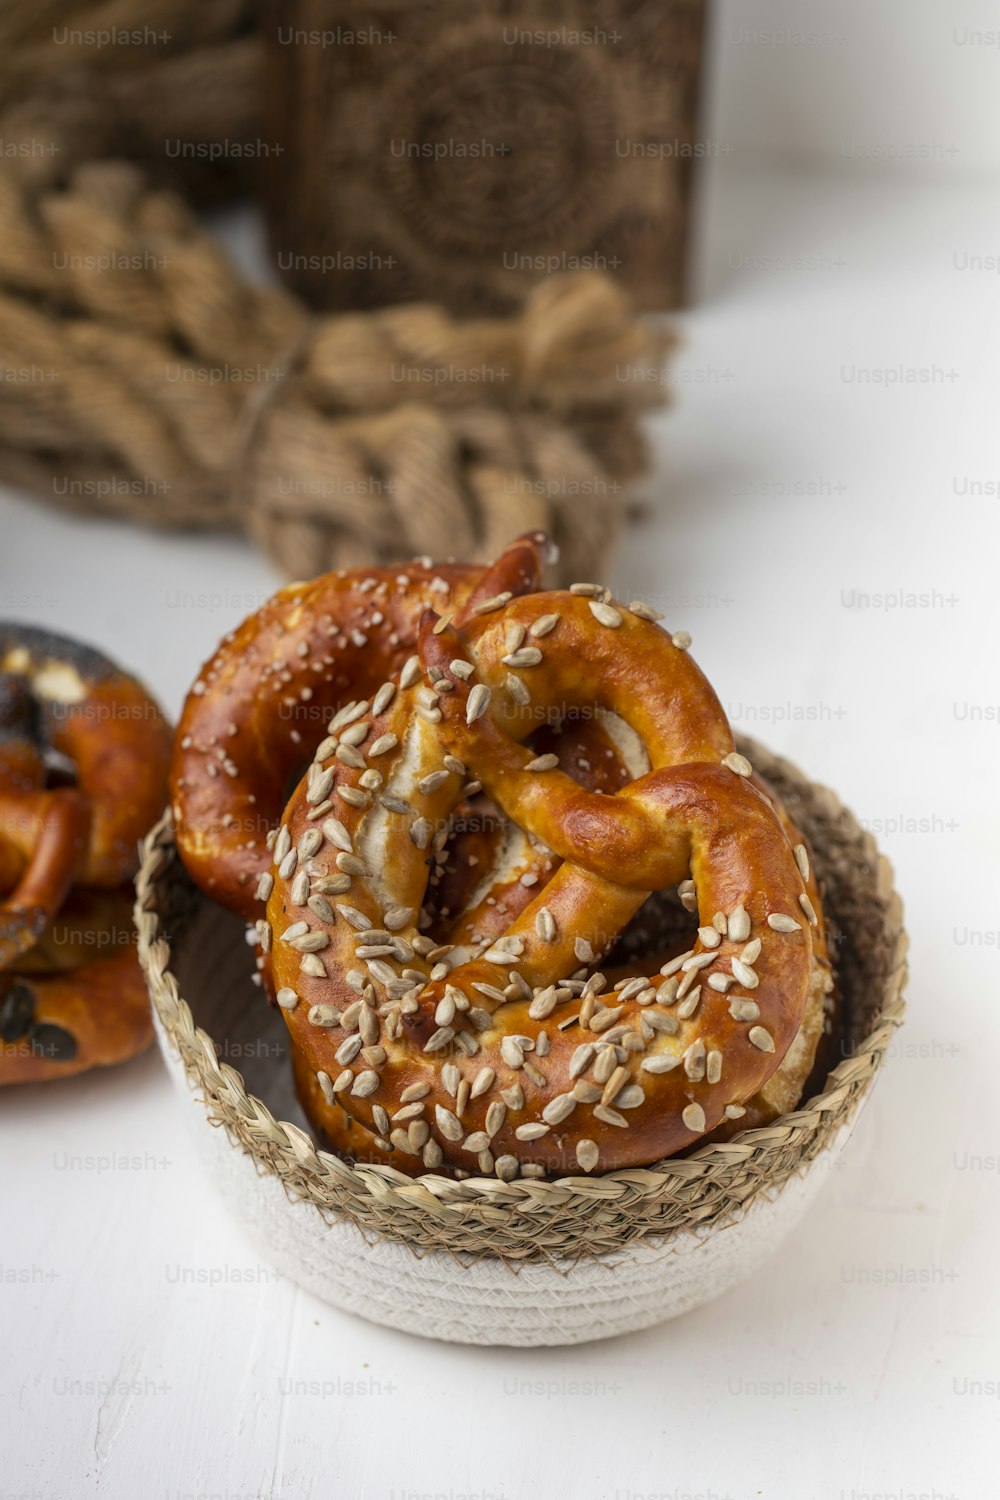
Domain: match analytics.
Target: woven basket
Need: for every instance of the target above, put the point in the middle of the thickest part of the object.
(526, 1262)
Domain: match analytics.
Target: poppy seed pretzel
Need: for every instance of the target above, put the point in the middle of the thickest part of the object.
(511, 1053)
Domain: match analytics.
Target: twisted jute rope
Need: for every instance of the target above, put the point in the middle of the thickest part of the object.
(573, 1217)
(144, 376)
(130, 78)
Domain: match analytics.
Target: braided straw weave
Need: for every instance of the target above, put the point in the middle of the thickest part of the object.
(572, 1217)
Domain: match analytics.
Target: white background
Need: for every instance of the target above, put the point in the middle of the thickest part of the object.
(865, 1360)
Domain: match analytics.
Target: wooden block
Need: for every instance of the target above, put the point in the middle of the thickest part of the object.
(457, 155)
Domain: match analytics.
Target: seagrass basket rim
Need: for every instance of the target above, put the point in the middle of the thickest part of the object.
(531, 1218)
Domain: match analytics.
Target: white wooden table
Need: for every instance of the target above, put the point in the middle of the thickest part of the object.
(832, 545)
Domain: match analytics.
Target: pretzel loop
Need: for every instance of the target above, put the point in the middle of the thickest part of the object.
(502, 1047)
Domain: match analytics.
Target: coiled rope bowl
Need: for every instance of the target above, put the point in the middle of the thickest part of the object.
(527, 1262)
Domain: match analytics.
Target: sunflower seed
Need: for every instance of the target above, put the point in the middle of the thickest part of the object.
(544, 625)
(782, 923)
(694, 1118)
(744, 1010)
(478, 703)
(527, 656)
(662, 1023)
(531, 1131)
(807, 907)
(709, 937)
(287, 867)
(543, 763)
(802, 860)
(324, 1015)
(713, 1065)
(343, 1080)
(477, 1141)
(744, 975)
(558, 1109)
(309, 843)
(415, 1091)
(433, 1156)
(265, 886)
(410, 672)
(334, 831)
(383, 698)
(583, 950)
(605, 1065)
(605, 614)
(420, 832)
(630, 1097)
(587, 1155)
(518, 690)
(694, 1061)
(312, 964)
(487, 606)
(449, 1124)
(287, 998)
(614, 1084)
(512, 1052)
(720, 982)
(366, 1083)
(735, 1111)
(674, 965)
(348, 1050)
(581, 1060)
(585, 1092)
(332, 885)
(681, 639)
(739, 925)
(445, 1011)
(661, 1063)
(644, 611)
(513, 1097)
(609, 1116)
(545, 925)
(326, 1086)
(310, 942)
(282, 844)
(689, 1005)
(761, 1038)
(482, 1082)
(737, 764)
(353, 797)
(751, 952)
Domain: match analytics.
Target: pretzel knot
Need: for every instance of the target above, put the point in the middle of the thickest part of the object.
(83, 763)
(444, 987)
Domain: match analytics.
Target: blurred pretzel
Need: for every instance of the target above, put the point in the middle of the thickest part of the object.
(83, 760)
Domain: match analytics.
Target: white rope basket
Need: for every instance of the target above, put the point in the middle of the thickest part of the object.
(529, 1262)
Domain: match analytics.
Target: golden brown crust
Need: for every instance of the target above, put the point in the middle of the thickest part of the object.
(459, 1016)
(258, 707)
(485, 1059)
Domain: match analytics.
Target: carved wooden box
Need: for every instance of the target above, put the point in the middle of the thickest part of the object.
(458, 152)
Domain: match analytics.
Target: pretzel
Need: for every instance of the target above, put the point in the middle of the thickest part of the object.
(258, 706)
(83, 761)
(505, 1049)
